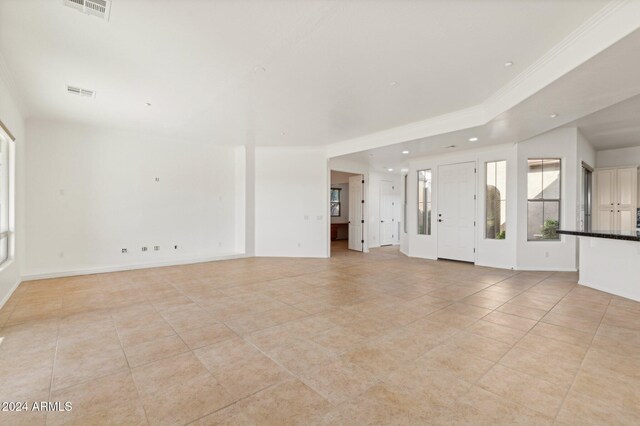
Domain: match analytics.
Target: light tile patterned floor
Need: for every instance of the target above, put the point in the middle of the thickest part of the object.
(355, 339)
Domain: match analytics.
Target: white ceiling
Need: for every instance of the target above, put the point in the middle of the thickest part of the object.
(328, 65)
(617, 126)
(601, 97)
(340, 177)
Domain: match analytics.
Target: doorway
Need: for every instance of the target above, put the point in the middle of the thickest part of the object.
(457, 211)
(346, 211)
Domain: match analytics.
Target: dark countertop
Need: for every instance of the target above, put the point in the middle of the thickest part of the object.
(612, 235)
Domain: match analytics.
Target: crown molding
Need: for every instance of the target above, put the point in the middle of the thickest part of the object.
(610, 24)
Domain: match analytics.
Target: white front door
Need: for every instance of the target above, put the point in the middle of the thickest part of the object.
(388, 224)
(456, 211)
(356, 216)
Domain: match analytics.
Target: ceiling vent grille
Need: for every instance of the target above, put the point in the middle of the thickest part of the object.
(99, 8)
(85, 93)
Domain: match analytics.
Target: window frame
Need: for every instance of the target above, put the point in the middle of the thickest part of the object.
(542, 200)
(427, 203)
(338, 203)
(406, 203)
(486, 203)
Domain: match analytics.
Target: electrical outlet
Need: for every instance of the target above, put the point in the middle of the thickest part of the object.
(144, 249)
(156, 248)
(157, 179)
(124, 250)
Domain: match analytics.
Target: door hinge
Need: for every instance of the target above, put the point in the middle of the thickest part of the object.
(362, 201)
(362, 241)
(474, 223)
(474, 250)
(474, 197)
(362, 180)
(475, 170)
(362, 221)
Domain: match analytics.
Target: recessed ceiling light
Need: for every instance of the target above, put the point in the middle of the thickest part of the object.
(449, 146)
(404, 170)
(147, 103)
(390, 170)
(508, 64)
(283, 133)
(553, 115)
(405, 152)
(393, 84)
(259, 69)
(473, 139)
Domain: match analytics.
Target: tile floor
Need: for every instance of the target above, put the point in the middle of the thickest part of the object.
(355, 339)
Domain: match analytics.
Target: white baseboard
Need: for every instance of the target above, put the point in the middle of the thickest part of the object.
(613, 291)
(486, 265)
(540, 269)
(9, 293)
(119, 268)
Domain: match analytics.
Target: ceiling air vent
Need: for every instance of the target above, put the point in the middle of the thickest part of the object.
(81, 92)
(99, 8)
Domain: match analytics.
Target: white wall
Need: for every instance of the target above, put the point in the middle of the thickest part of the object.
(11, 116)
(92, 191)
(291, 202)
(619, 158)
(550, 255)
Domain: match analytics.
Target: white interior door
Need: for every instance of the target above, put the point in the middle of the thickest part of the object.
(456, 211)
(388, 225)
(356, 216)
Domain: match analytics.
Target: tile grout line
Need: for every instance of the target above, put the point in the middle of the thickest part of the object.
(500, 359)
(579, 369)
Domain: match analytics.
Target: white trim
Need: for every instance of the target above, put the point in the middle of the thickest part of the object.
(105, 269)
(7, 296)
(487, 265)
(541, 269)
(615, 292)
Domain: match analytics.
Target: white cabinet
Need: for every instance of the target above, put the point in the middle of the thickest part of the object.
(616, 199)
